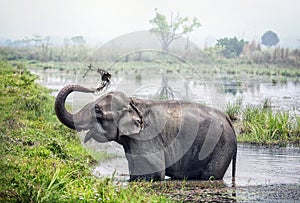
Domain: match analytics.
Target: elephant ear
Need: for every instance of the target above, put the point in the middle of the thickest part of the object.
(131, 121)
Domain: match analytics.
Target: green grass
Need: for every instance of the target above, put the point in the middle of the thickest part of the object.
(43, 161)
(261, 125)
(233, 109)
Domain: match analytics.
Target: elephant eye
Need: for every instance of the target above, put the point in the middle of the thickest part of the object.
(98, 111)
(137, 122)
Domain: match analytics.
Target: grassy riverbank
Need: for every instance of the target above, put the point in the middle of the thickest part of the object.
(260, 125)
(43, 161)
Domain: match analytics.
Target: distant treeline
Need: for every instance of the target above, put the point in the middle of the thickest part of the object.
(251, 53)
(44, 53)
(254, 53)
(281, 56)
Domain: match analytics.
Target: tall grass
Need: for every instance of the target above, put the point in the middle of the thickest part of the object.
(261, 125)
(233, 110)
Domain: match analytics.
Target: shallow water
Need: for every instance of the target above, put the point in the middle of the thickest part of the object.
(256, 165)
(260, 165)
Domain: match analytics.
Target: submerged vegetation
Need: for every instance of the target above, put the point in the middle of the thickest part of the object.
(43, 161)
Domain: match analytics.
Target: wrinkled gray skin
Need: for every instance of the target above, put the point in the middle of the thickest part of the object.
(182, 140)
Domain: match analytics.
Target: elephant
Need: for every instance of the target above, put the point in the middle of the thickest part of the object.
(178, 139)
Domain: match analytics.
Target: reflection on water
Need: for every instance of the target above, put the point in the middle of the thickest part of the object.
(255, 165)
(259, 165)
(283, 96)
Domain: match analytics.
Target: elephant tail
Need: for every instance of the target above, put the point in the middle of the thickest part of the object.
(234, 165)
(235, 153)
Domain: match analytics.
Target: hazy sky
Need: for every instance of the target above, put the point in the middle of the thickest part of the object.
(105, 19)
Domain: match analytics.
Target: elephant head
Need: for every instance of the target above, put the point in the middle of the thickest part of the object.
(108, 117)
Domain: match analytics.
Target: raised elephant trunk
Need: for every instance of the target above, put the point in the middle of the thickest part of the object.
(61, 112)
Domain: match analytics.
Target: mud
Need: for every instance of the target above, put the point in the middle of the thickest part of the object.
(216, 191)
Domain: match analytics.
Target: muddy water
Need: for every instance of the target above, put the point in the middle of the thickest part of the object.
(256, 165)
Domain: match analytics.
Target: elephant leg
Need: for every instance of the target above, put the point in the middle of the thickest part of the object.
(220, 160)
(146, 167)
(148, 177)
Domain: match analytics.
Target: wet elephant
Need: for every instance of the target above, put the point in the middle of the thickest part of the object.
(180, 139)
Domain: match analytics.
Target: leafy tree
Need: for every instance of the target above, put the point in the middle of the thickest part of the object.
(167, 32)
(269, 38)
(78, 40)
(232, 47)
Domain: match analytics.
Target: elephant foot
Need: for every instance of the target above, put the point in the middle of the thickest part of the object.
(147, 177)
